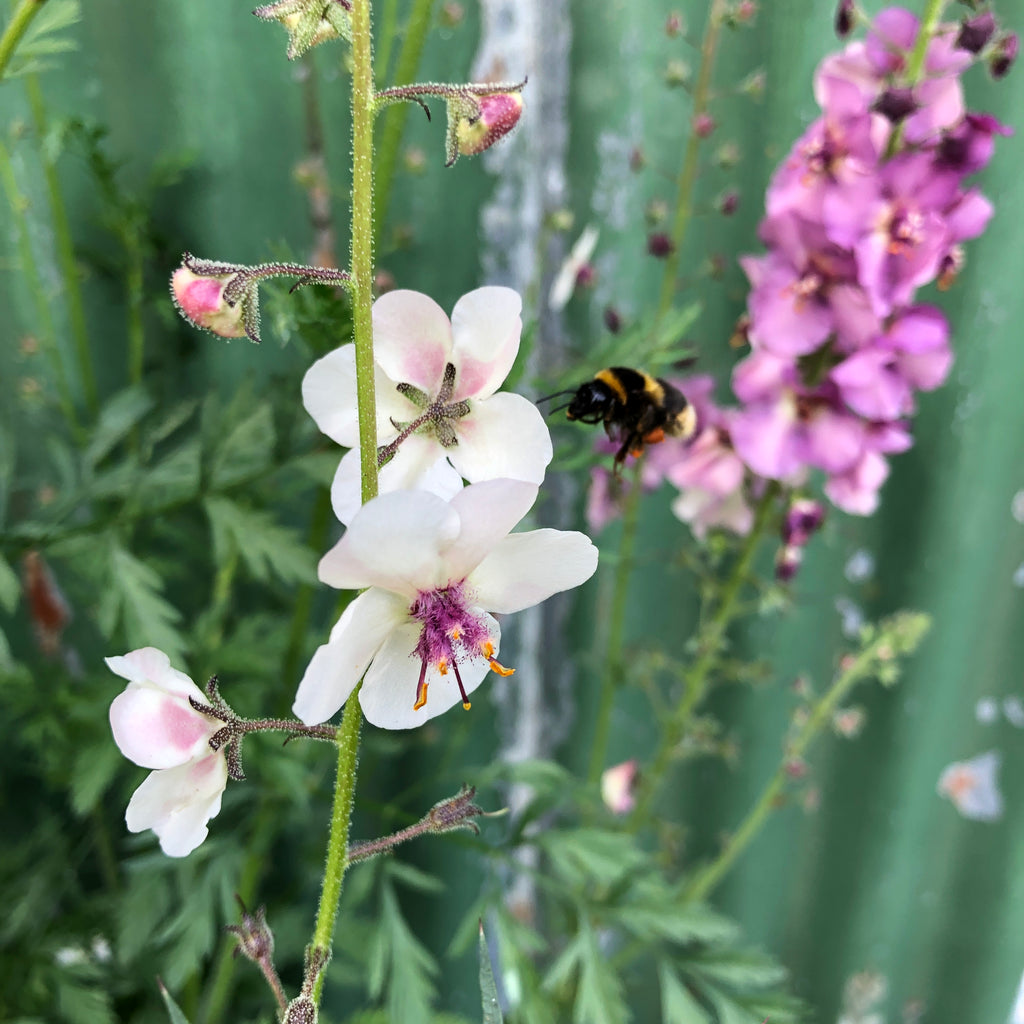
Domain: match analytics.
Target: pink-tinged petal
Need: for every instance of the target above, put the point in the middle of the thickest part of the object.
(527, 568)
(178, 802)
(765, 438)
(856, 491)
(419, 465)
(871, 387)
(784, 322)
(704, 511)
(389, 690)
(835, 76)
(487, 512)
(338, 665)
(941, 103)
(151, 665)
(329, 395)
(157, 730)
(486, 327)
(890, 438)
(412, 339)
(708, 464)
(969, 217)
(890, 39)
(973, 787)
(503, 436)
(617, 786)
(918, 330)
(834, 440)
(603, 499)
(853, 211)
(856, 322)
(396, 542)
(927, 370)
(763, 375)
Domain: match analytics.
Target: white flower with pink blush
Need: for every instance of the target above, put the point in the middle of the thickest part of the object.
(435, 570)
(618, 786)
(156, 726)
(437, 396)
(973, 786)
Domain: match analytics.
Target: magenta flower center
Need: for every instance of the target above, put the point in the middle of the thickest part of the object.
(452, 630)
(906, 230)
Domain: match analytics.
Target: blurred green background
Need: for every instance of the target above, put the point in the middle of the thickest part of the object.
(884, 876)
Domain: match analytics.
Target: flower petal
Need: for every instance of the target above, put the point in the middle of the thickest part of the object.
(151, 665)
(389, 691)
(412, 339)
(527, 568)
(395, 542)
(159, 730)
(485, 327)
(487, 512)
(178, 802)
(419, 465)
(338, 665)
(503, 436)
(329, 395)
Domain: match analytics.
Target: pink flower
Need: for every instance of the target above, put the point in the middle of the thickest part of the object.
(973, 786)
(156, 726)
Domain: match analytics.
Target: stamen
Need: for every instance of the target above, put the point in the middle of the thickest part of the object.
(496, 666)
(465, 698)
(421, 688)
(488, 648)
(456, 633)
(442, 666)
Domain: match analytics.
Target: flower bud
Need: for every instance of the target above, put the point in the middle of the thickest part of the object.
(618, 787)
(674, 24)
(845, 15)
(255, 939)
(975, 32)
(659, 245)
(803, 518)
(499, 113)
(703, 125)
(1004, 55)
(729, 202)
(896, 104)
(787, 562)
(612, 319)
(200, 300)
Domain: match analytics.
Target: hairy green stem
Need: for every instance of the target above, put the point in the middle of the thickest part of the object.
(709, 644)
(18, 204)
(416, 31)
(65, 250)
(337, 845)
(688, 172)
(611, 669)
(818, 719)
(362, 299)
(16, 29)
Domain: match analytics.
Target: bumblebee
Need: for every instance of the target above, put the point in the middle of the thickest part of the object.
(635, 408)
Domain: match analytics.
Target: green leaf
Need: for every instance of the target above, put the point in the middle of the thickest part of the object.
(591, 855)
(173, 1010)
(678, 1006)
(413, 877)
(10, 587)
(739, 968)
(134, 598)
(43, 38)
(264, 546)
(655, 912)
(117, 419)
(244, 450)
(175, 476)
(600, 998)
(399, 961)
(488, 989)
(93, 770)
(82, 1002)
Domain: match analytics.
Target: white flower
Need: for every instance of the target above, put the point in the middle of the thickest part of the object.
(565, 280)
(437, 380)
(155, 726)
(434, 570)
(973, 787)
(618, 786)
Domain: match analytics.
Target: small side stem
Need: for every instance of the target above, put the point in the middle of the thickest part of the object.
(416, 31)
(688, 172)
(820, 716)
(709, 644)
(16, 29)
(135, 300)
(611, 674)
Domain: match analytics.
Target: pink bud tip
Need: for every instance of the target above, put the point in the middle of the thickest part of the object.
(200, 300)
(499, 114)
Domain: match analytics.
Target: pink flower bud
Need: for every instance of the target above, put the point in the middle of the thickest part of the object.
(976, 32)
(659, 245)
(703, 125)
(499, 114)
(1005, 54)
(200, 300)
(618, 785)
(845, 15)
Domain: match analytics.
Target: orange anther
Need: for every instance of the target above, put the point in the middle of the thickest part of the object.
(421, 697)
(496, 666)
